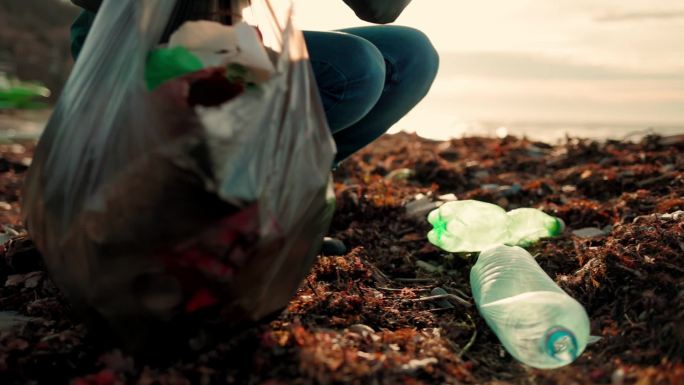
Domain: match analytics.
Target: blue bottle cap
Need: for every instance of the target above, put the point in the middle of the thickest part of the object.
(561, 344)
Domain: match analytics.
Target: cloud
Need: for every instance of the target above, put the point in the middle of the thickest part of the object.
(517, 65)
(642, 16)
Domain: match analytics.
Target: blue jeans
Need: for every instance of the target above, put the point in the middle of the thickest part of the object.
(369, 78)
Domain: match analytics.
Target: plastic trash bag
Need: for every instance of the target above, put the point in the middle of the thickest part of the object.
(165, 223)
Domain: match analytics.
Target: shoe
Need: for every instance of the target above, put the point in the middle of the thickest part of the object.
(332, 246)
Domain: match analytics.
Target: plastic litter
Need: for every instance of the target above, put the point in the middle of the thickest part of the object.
(20, 95)
(203, 44)
(470, 226)
(164, 64)
(178, 214)
(536, 321)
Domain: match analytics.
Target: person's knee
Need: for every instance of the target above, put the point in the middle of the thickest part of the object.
(421, 60)
(363, 66)
(351, 78)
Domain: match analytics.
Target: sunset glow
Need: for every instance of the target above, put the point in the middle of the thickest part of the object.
(525, 62)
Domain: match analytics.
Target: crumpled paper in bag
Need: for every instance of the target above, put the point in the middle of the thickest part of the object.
(218, 45)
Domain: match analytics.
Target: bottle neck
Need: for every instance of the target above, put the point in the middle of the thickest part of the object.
(561, 344)
(557, 227)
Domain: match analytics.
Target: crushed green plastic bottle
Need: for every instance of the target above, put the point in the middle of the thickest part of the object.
(472, 226)
(164, 64)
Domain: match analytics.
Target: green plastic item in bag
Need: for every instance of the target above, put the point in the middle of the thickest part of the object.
(164, 64)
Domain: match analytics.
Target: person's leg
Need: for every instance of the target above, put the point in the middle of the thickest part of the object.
(79, 32)
(411, 66)
(350, 74)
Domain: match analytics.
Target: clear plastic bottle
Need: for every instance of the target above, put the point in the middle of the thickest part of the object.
(470, 225)
(536, 321)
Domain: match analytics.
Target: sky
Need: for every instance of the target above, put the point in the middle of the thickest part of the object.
(598, 68)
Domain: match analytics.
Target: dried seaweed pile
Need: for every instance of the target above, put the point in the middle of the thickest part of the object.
(397, 310)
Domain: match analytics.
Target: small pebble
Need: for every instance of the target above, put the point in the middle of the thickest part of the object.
(450, 155)
(442, 303)
(588, 232)
(490, 187)
(535, 151)
(362, 330)
(400, 174)
(333, 247)
(430, 268)
(482, 174)
(568, 189)
(509, 191)
(421, 206)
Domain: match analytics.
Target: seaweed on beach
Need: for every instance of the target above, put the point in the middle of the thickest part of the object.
(369, 317)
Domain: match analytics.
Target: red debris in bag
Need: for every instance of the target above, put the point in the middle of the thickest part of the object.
(213, 90)
(202, 299)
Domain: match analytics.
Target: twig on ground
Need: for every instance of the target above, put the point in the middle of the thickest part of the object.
(660, 178)
(403, 288)
(313, 289)
(378, 274)
(472, 338)
(443, 296)
(418, 280)
(457, 291)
